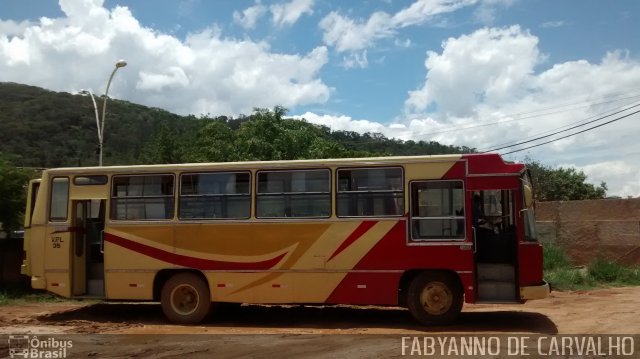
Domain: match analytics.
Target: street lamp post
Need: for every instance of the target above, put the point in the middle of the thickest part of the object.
(95, 108)
(118, 65)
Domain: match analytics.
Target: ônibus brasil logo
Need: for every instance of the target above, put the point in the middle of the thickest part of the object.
(25, 346)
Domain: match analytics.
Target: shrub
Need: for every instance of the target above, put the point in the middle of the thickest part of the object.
(603, 270)
(555, 257)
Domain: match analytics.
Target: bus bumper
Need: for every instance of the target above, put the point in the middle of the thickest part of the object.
(24, 269)
(535, 292)
(38, 283)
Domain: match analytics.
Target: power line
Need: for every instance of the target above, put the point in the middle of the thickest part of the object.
(565, 130)
(514, 142)
(573, 134)
(613, 99)
(534, 115)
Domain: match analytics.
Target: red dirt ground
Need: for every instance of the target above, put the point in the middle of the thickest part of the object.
(603, 311)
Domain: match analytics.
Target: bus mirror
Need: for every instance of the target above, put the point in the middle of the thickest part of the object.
(528, 196)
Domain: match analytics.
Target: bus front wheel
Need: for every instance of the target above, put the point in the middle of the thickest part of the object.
(434, 298)
(185, 298)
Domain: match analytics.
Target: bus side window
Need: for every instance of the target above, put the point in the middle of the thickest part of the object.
(294, 194)
(59, 199)
(142, 197)
(216, 195)
(370, 192)
(437, 210)
(34, 187)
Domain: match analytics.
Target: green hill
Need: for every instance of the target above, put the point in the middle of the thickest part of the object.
(41, 128)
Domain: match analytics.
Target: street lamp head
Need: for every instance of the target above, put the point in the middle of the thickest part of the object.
(121, 63)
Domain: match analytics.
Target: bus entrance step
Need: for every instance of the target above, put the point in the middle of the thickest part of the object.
(496, 291)
(496, 272)
(96, 287)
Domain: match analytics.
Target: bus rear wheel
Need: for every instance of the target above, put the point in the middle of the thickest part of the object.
(434, 298)
(185, 299)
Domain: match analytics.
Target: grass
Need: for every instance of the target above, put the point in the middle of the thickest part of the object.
(27, 296)
(563, 275)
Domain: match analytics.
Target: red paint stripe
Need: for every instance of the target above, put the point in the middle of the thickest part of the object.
(457, 171)
(221, 285)
(275, 285)
(357, 233)
(69, 230)
(192, 262)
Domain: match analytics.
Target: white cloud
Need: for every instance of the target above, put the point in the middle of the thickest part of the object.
(11, 28)
(250, 16)
(205, 73)
(492, 64)
(422, 10)
(356, 60)
(289, 13)
(174, 77)
(344, 123)
(485, 13)
(552, 24)
(347, 34)
(282, 14)
(487, 81)
(622, 178)
(406, 43)
(406, 130)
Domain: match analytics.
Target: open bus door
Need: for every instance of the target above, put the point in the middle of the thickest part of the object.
(530, 254)
(495, 230)
(75, 219)
(32, 195)
(57, 238)
(87, 259)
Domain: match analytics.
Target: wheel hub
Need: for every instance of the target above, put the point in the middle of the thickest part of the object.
(184, 299)
(436, 298)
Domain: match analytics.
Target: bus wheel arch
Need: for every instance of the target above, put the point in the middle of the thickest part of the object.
(184, 295)
(434, 297)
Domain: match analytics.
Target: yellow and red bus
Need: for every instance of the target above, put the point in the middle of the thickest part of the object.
(424, 232)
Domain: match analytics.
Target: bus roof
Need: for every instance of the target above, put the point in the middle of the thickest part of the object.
(490, 161)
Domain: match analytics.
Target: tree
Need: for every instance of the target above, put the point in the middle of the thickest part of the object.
(13, 183)
(215, 142)
(162, 147)
(269, 136)
(562, 184)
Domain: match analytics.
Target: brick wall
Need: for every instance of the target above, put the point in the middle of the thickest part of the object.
(609, 228)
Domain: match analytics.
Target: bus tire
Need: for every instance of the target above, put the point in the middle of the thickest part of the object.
(185, 299)
(434, 298)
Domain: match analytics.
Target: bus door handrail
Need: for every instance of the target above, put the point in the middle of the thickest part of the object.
(102, 241)
(475, 241)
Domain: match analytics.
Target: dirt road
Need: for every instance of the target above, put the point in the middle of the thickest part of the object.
(605, 311)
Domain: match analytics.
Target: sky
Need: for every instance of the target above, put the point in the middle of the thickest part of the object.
(479, 73)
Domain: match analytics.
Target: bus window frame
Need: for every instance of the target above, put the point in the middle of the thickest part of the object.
(50, 206)
(111, 197)
(404, 191)
(427, 241)
(257, 194)
(34, 188)
(528, 212)
(179, 196)
(75, 183)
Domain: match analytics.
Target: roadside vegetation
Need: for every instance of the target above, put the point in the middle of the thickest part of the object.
(562, 274)
(14, 296)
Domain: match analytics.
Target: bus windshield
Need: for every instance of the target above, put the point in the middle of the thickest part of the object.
(528, 212)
